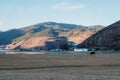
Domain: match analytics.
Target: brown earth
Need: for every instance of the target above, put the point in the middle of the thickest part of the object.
(59, 67)
(79, 36)
(34, 42)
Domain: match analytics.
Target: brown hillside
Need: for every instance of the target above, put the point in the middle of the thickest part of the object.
(38, 43)
(106, 39)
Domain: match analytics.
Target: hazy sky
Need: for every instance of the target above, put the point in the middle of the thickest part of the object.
(21, 13)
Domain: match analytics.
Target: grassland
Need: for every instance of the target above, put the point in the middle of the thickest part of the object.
(59, 67)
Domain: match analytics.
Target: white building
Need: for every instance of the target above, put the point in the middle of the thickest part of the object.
(80, 49)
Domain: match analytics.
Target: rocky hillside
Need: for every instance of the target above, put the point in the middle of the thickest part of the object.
(105, 39)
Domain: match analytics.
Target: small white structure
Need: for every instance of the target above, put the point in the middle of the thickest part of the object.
(80, 49)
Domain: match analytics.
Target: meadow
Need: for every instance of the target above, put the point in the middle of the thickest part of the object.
(60, 66)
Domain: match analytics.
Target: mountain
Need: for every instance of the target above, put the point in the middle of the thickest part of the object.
(40, 31)
(8, 36)
(97, 27)
(76, 33)
(38, 43)
(105, 39)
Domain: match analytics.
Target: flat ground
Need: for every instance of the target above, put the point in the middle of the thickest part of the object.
(59, 67)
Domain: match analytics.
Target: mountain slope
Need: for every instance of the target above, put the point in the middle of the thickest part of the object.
(52, 29)
(38, 43)
(97, 27)
(41, 29)
(105, 39)
(74, 33)
(8, 36)
(78, 35)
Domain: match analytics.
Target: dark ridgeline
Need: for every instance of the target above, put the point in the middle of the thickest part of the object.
(105, 39)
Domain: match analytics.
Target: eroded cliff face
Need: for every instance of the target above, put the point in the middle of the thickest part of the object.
(105, 39)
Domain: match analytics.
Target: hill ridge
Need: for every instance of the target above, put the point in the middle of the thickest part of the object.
(107, 38)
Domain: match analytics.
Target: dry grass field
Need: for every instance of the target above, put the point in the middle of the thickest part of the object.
(59, 67)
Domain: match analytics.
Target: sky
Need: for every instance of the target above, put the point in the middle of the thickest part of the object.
(22, 13)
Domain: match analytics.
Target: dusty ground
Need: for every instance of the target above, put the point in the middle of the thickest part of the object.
(59, 67)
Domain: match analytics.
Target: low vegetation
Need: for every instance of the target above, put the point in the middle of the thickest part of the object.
(59, 67)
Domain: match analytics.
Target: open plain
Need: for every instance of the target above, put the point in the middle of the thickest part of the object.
(60, 66)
